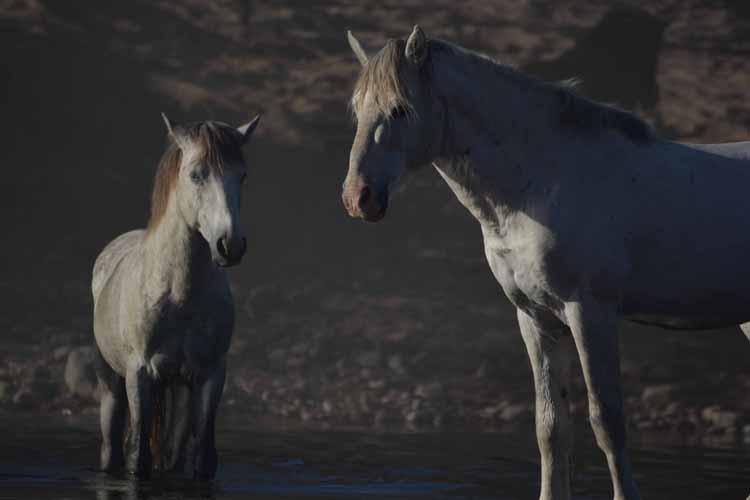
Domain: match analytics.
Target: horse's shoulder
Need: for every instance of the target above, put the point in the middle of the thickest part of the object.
(111, 256)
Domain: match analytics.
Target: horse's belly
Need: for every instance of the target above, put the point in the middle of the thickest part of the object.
(699, 322)
(689, 311)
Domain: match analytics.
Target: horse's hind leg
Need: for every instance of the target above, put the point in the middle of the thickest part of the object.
(594, 327)
(549, 350)
(112, 414)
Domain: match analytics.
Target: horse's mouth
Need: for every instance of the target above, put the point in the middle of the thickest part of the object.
(227, 263)
(374, 217)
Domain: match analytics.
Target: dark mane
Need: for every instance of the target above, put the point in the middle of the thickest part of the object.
(217, 144)
(582, 113)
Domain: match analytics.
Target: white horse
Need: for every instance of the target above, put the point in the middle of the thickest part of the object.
(163, 311)
(587, 218)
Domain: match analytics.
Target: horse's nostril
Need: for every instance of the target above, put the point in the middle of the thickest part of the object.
(222, 247)
(364, 196)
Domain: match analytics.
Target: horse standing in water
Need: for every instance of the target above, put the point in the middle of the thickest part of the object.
(587, 218)
(163, 311)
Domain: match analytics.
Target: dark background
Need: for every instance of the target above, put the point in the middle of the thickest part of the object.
(340, 322)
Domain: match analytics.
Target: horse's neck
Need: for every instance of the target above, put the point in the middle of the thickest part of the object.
(492, 135)
(177, 260)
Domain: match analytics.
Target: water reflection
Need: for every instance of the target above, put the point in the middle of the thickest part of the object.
(53, 462)
(108, 488)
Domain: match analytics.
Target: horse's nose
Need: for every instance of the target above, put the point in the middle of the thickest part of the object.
(232, 253)
(365, 203)
(364, 197)
(223, 247)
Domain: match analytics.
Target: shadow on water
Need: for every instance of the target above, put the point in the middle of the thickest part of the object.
(55, 462)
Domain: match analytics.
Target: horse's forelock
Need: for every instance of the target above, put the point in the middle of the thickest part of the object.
(381, 79)
(217, 144)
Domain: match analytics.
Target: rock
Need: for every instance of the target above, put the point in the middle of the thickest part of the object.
(60, 353)
(512, 412)
(722, 419)
(396, 364)
(24, 398)
(368, 359)
(746, 433)
(418, 417)
(80, 374)
(489, 412)
(429, 391)
(376, 384)
(657, 396)
(327, 407)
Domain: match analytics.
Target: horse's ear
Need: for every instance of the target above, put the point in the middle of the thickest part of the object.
(247, 129)
(168, 123)
(416, 47)
(174, 131)
(357, 48)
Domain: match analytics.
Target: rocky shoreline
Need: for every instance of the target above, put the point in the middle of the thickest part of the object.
(321, 369)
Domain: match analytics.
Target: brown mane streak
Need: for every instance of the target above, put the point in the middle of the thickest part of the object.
(218, 144)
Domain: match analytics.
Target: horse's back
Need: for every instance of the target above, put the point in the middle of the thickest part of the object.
(688, 236)
(111, 256)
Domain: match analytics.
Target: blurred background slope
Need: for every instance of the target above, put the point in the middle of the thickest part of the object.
(340, 321)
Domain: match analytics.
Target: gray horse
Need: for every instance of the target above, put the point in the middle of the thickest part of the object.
(163, 311)
(587, 217)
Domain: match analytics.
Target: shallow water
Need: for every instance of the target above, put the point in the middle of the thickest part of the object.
(54, 460)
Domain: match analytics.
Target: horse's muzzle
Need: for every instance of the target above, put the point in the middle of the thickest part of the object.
(230, 252)
(365, 203)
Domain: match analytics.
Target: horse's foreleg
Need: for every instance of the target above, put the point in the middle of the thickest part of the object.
(140, 390)
(179, 427)
(549, 350)
(112, 414)
(205, 402)
(594, 327)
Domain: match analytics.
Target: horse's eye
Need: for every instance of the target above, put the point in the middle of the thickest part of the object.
(195, 176)
(399, 112)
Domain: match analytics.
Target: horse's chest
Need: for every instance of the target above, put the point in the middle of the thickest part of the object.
(523, 276)
(189, 343)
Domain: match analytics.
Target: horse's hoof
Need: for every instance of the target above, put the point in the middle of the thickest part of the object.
(203, 475)
(111, 461)
(140, 473)
(140, 468)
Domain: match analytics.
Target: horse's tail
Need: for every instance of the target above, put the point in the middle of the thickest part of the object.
(159, 429)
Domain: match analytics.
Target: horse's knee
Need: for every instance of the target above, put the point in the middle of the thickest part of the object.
(608, 424)
(553, 432)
